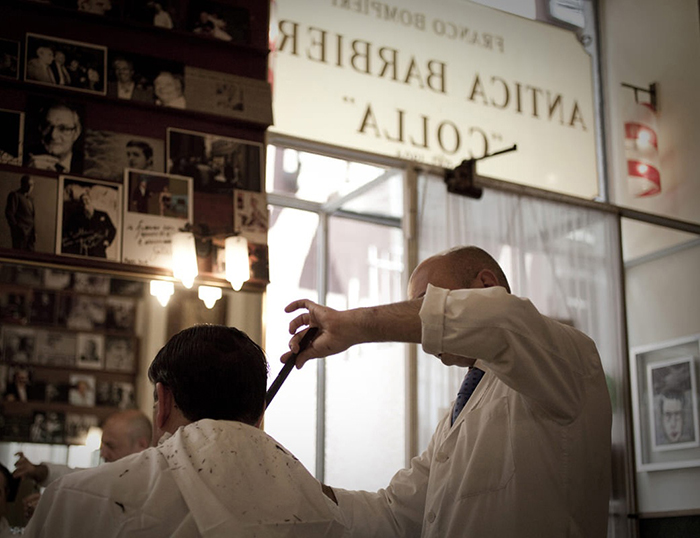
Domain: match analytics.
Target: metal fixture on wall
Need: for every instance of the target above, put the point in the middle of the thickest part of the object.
(460, 180)
(642, 144)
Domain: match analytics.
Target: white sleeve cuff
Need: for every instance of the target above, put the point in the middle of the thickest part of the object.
(433, 319)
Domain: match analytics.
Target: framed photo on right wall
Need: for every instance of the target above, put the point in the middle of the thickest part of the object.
(665, 404)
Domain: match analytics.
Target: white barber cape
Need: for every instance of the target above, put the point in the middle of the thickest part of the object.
(529, 455)
(210, 479)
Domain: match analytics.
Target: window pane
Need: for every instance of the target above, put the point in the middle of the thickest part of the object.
(291, 418)
(365, 387)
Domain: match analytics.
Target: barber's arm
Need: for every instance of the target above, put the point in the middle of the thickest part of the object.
(339, 330)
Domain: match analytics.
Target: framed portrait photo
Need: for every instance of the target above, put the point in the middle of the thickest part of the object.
(218, 164)
(9, 59)
(11, 136)
(89, 218)
(91, 351)
(665, 404)
(70, 65)
(673, 399)
(157, 206)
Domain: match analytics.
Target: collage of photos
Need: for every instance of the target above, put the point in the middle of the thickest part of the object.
(219, 20)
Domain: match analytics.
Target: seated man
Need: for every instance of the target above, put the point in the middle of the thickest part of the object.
(123, 433)
(212, 473)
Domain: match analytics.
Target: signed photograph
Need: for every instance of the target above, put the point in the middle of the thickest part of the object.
(89, 218)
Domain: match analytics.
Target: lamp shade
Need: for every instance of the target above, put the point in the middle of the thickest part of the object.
(184, 258)
(162, 290)
(642, 150)
(237, 265)
(209, 295)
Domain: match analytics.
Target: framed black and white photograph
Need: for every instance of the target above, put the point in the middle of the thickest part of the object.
(57, 349)
(121, 314)
(29, 220)
(53, 135)
(673, 399)
(57, 392)
(18, 344)
(100, 8)
(78, 426)
(42, 310)
(132, 77)
(158, 206)
(228, 95)
(120, 354)
(68, 64)
(82, 390)
(14, 306)
(47, 427)
(11, 136)
(21, 386)
(219, 20)
(93, 283)
(250, 215)
(83, 312)
(89, 218)
(665, 404)
(116, 394)
(217, 164)
(108, 154)
(91, 351)
(165, 14)
(57, 279)
(9, 59)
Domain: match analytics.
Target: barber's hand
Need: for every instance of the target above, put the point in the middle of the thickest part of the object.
(29, 504)
(24, 467)
(334, 336)
(42, 162)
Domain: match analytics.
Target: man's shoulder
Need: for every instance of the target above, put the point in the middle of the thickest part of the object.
(132, 473)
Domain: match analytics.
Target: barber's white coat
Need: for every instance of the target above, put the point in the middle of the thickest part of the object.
(210, 479)
(530, 454)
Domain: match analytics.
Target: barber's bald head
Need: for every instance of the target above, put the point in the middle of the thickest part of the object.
(458, 268)
(125, 433)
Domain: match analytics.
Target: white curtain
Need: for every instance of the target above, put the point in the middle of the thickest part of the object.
(564, 258)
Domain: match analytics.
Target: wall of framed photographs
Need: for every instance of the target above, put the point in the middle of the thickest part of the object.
(121, 122)
(69, 351)
(124, 120)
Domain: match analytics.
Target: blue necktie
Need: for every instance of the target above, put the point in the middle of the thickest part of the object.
(471, 380)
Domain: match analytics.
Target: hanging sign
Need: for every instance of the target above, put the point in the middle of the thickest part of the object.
(437, 83)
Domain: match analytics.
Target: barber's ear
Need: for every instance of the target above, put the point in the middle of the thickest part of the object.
(164, 405)
(487, 279)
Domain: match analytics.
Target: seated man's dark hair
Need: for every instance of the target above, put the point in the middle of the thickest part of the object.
(213, 372)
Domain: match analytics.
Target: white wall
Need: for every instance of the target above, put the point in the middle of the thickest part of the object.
(647, 41)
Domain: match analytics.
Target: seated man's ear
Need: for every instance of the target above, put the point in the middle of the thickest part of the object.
(487, 279)
(165, 404)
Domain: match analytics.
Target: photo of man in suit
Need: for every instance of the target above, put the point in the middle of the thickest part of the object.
(55, 130)
(19, 212)
(39, 68)
(125, 85)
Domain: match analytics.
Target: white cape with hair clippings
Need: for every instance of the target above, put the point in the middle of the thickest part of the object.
(210, 479)
(272, 495)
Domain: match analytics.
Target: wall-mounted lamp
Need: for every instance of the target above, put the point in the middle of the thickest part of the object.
(209, 294)
(184, 257)
(162, 290)
(193, 241)
(641, 144)
(237, 264)
(460, 180)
